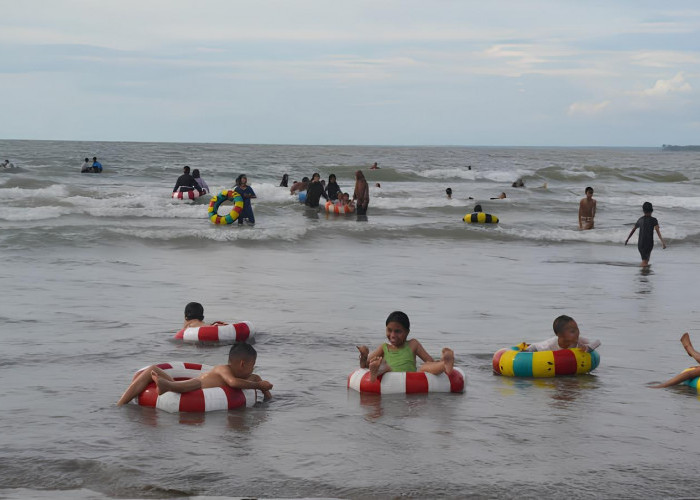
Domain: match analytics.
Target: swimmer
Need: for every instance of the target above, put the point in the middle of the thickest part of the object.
(448, 192)
(500, 196)
(285, 180)
(374, 166)
(202, 183)
(586, 210)
(238, 373)
(186, 182)
(687, 374)
(566, 337)
(399, 355)
(518, 183)
(299, 185)
(86, 168)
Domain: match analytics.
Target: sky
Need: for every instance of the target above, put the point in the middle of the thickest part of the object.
(394, 72)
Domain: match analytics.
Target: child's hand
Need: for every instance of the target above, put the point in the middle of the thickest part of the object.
(264, 385)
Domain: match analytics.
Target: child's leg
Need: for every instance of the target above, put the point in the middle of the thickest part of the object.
(377, 367)
(685, 340)
(681, 377)
(168, 384)
(140, 382)
(445, 365)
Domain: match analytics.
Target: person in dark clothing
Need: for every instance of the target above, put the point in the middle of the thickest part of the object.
(332, 188)
(647, 225)
(285, 180)
(315, 191)
(361, 194)
(186, 182)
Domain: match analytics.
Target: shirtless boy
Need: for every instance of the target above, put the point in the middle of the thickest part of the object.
(586, 210)
(238, 373)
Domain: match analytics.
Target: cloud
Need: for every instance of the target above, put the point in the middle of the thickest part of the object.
(587, 108)
(666, 87)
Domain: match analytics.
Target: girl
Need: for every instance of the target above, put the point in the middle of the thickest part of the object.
(399, 355)
(200, 181)
(361, 193)
(247, 193)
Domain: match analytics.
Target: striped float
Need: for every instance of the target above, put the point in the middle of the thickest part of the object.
(187, 195)
(406, 382)
(515, 362)
(333, 208)
(217, 200)
(235, 332)
(480, 218)
(211, 399)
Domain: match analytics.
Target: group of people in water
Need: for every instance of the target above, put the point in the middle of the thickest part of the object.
(315, 189)
(91, 167)
(397, 354)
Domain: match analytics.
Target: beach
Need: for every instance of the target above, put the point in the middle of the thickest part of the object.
(98, 269)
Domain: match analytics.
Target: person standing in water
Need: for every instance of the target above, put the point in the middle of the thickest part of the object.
(86, 168)
(586, 210)
(361, 194)
(647, 225)
(247, 193)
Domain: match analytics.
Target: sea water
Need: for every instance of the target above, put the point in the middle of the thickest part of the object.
(97, 269)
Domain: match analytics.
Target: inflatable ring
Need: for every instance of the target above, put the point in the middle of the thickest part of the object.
(693, 382)
(332, 208)
(234, 332)
(216, 201)
(406, 382)
(211, 399)
(515, 362)
(187, 195)
(480, 218)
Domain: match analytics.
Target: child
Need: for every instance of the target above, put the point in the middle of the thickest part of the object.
(200, 181)
(646, 225)
(332, 188)
(238, 373)
(247, 193)
(688, 374)
(194, 316)
(400, 356)
(448, 192)
(567, 337)
(586, 210)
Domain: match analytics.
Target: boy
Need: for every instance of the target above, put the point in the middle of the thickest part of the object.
(686, 374)
(586, 210)
(567, 337)
(647, 225)
(238, 373)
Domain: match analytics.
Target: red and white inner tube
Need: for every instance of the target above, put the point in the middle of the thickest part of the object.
(233, 332)
(406, 382)
(187, 195)
(211, 399)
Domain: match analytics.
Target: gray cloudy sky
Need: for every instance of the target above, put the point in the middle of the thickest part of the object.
(404, 72)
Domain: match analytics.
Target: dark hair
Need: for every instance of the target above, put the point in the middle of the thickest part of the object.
(647, 208)
(401, 318)
(315, 174)
(194, 310)
(477, 208)
(448, 190)
(239, 178)
(285, 180)
(589, 188)
(86, 159)
(195, 173)
(241, 350)
(332, 178)
(561, 322)
(304, 179)
(186, 169)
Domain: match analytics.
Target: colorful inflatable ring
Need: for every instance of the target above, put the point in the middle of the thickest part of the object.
(515, 362)
(216, 201)
(332, 208)
(692, 382)
(480, 218)
(234, 332)
(406, 382)
(187, 195)
(211, 399)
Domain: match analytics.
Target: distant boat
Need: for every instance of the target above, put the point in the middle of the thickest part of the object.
(668, 147)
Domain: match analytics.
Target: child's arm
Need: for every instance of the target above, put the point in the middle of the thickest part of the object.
(377, 353)
(242, 383)
(631, 233)
(419, 351)
(658, 231)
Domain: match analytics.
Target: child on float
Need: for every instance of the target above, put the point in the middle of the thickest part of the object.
(566, 337)
(687, 374)
(194, 316)
(247, 193)
(347, 202)
(399, 354)
(238, 373)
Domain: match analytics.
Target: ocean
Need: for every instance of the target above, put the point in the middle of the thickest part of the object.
(98, 268)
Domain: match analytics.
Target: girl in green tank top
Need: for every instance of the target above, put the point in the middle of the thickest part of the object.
(401, 359)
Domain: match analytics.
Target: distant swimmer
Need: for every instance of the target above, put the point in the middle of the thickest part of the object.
(285, 181)
(499, 197)
(86, 168)
(374, 166)
(586, 210)
(96, 165)
(448, 192)
(647, 225)
(8, 164)
(518, 183)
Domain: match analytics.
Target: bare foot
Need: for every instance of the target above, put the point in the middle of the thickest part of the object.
(374, 368)
(364, 352)
(160, 383)
(448, 357)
